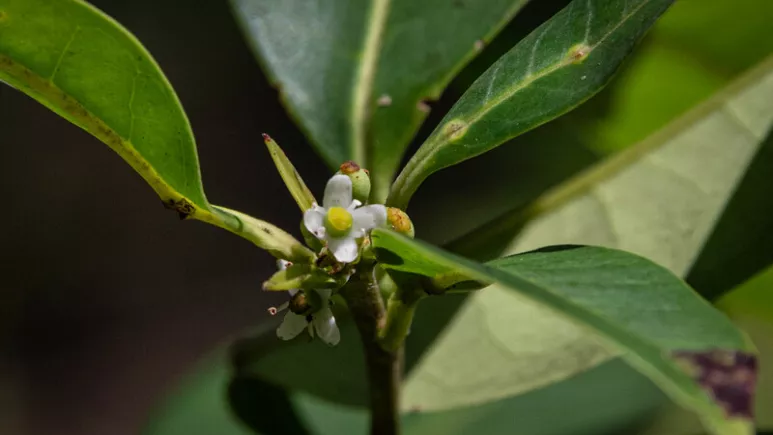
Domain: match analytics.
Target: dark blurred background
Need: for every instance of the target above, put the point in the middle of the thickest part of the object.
(107, 298)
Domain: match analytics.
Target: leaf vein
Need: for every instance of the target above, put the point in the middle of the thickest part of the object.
(59, 60)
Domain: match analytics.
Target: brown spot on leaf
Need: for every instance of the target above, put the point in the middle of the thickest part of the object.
(729, 376)
(455, 129)
(183, 207)
(423, 106)
(578, 53)
(479, 45)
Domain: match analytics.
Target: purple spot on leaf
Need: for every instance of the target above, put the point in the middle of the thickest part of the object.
(729, 376)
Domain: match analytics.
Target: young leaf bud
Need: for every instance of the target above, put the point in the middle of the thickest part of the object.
(399, 221)
(360, 180)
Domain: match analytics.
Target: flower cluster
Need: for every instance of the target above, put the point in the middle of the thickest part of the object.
(303, 316)
(340, 223)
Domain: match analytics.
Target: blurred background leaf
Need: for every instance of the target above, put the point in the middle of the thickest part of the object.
(357, 75)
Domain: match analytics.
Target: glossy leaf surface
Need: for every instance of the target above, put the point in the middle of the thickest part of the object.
(84, 66)
(356, 74)
(657, 321)
(558, 66)
(90, 70)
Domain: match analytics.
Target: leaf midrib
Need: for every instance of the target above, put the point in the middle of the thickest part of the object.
(363, 85)
(414, 177)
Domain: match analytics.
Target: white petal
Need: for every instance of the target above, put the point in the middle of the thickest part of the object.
(292, 325)
(338, 192)
(344, 249)
(326, 327)
(282, 264)
(314, 218)
(368, 217)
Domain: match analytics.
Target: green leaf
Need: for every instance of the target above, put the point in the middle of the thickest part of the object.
(88, 69)
(669, 73)
(741, 243)
(750, 306)
(646, 198)
(200, 405)
(356, 74)
(290, 175)
(660, 199)
(603, 400)
(84, 66)
(642, 309)
(558, 66)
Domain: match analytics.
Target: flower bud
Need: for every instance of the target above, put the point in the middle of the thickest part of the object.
(399, 221)
(360, 180)
(299, 304)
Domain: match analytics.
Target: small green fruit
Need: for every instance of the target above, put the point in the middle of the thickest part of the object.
(360, 180)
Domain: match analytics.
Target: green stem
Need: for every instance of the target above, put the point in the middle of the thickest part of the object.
(400, 310)
(384, 366)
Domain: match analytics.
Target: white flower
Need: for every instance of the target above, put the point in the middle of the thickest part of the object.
(322, 322)
(340, 222)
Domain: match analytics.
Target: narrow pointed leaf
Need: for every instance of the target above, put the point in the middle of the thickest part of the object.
(642, 200)
(662, 327)
(290, 175)
(84, 66)
(291, 277)
(356, 74)
(558, 66)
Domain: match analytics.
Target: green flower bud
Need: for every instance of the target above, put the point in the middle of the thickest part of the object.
(299, 304)
(360, 180)
(399, 221)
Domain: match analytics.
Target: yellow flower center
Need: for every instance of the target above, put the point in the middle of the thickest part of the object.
(338, 221)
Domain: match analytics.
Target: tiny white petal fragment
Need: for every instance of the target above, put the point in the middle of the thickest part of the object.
(292, 325)
(326, 326)
(344, 249)
(338, 192)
